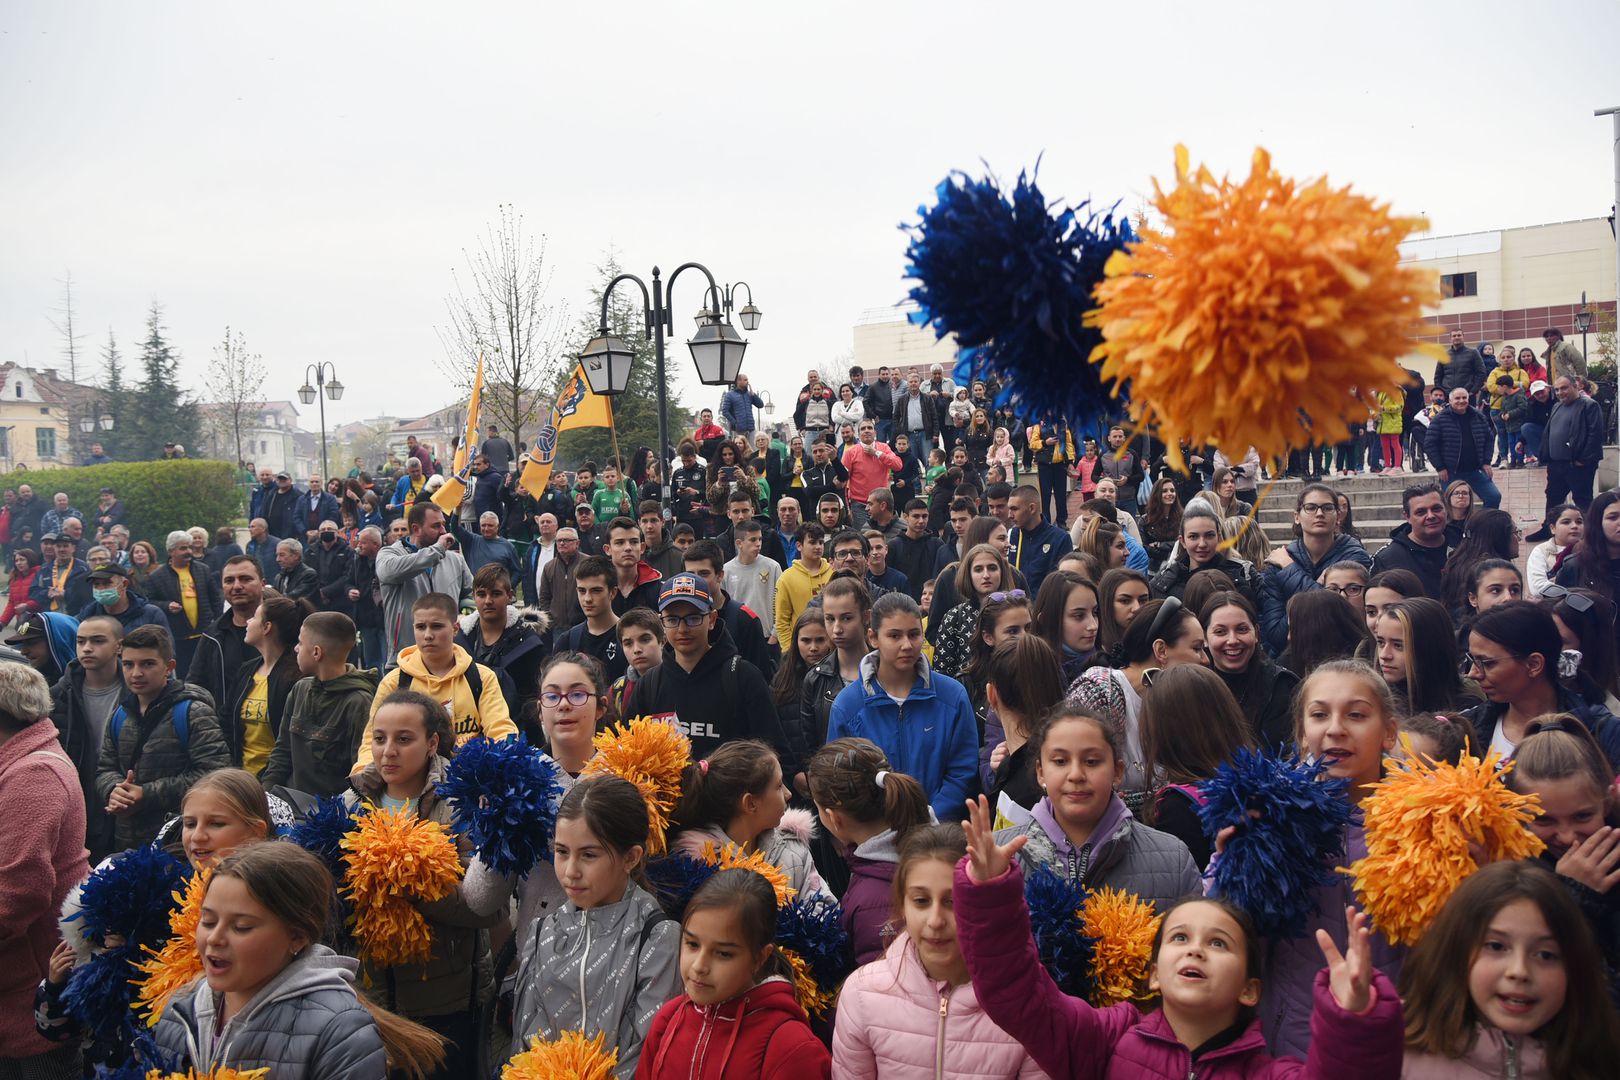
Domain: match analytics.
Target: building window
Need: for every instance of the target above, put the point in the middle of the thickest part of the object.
(19, 389)
(1453, 285)
(45, 442)
(5, 442)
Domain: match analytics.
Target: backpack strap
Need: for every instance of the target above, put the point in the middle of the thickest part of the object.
(181, 717)
(404, 682)
(116, 724)
(475, 683)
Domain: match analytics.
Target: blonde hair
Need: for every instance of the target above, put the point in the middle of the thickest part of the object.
(242, 793)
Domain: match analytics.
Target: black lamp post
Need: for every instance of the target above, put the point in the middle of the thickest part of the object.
(1583, 321)
(309, 394)
(717, 349)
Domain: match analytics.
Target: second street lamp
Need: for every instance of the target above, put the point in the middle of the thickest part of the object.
(309, 394)
(717, 349)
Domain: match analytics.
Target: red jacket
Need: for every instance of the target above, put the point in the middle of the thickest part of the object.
(18, 602)
(867, 472)
(762, 1035)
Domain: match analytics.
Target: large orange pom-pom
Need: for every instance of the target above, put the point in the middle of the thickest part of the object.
(732, 857)
(1123, 926)
(652, 755)
(1428, 827)
(570, 1056)
(175, 966)
(221, 1072)
(1253, 301)
(394, 857)
(813, 998)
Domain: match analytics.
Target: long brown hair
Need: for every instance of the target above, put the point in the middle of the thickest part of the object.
(1190, 724)
(296, 888)
(854, 777)
(712, 788)
(944, 841)
(1441, 1017)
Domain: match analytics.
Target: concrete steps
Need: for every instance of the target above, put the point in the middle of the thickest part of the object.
(1375, 501)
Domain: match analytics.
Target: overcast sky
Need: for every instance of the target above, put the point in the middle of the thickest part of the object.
(309, 173)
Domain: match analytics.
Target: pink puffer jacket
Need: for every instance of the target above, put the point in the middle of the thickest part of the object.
(896, 1022)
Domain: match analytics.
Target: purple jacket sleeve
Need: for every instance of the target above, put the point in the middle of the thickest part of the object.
(1350, 1046)
(1065, 1036)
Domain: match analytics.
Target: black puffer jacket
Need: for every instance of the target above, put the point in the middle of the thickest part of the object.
(1172, 579)
(331, 566)
(164, 767)
(821, 687)
(305, 1024)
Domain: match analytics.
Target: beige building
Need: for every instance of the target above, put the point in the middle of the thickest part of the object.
(1510, 285)
(37, 411)
(885, 337)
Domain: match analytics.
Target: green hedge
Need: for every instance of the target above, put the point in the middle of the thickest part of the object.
(158, 496)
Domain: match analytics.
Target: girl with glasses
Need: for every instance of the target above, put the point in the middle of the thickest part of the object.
(1298, 567)
(1515, 653)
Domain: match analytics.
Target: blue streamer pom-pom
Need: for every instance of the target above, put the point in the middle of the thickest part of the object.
(1290, 835)
(504, 794)
(1059, 929)
(814, 928)
(1012, 278)
(131, 897)
(99, 993)
(675, 878)
(322, 830)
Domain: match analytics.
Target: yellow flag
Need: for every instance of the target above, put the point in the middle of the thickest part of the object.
(576, 407)
(454, 489)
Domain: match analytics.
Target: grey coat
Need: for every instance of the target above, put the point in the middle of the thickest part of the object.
(1131, 856)
(305, 1024)
(406, 574)
(605, 969)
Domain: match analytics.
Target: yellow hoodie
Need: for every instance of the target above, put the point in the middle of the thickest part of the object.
(794, 591)
(486, 716)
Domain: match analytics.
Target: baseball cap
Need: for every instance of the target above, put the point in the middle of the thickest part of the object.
(283, 475)
(47, 538)
(30, 630)
(688, 588)
(108, 571)
(1538, 385)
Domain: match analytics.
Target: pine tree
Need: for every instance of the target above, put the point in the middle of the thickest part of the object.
(635, 412)
(159, 411)
(111, 399)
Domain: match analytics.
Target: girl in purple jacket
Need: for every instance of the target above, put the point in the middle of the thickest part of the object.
(1205, 968)
(867, 808)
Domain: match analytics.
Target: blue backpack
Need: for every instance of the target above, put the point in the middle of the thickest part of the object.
(181, 717)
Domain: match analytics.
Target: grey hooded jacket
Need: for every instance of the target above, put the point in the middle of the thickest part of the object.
(605, 969)
(1123, 854)
(305, 1024)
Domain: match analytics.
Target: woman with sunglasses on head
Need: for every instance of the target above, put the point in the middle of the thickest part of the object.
(1298, 567)
(1586, 623)
(1516, 654)
(1163, 634)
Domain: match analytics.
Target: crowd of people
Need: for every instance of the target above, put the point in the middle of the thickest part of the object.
(895, 624)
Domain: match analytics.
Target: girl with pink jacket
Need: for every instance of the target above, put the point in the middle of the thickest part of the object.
(912, 1013)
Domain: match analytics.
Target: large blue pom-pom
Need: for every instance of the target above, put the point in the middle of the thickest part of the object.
(1012, 279)
(144, 1056)
(1059, 929)
(322, 830)
(1276, 861)
(504, 794)
(814, 928)
(99, 993)
(674, 879)
(131, 897)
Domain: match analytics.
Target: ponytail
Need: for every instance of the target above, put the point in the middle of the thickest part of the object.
(854, 777)
(413, 1050)
(712, 788)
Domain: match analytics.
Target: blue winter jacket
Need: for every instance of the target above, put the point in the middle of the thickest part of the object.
(138, 613)
(737, 410)
(931, 735)
(1279, 584)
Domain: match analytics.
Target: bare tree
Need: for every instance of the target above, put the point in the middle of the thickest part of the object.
(235, 382)
(500, 308)
(65, 326)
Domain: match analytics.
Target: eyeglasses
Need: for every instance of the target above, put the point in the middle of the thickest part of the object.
(1346, 590)
(1577, 601)
(1002, 597)
(847, 556)
(690, 621)
(1470, 662)
(1318, 508)
(577, 698)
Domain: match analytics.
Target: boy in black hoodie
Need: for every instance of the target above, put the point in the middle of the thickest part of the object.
(705, 690)
(162, 738)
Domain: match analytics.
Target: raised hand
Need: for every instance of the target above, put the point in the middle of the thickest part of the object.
(1350, 975)
(987, 860)
(1595, 861)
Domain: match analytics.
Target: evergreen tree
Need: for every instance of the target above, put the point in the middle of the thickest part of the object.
(159, 411)
(635, 412)
(111, 399)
